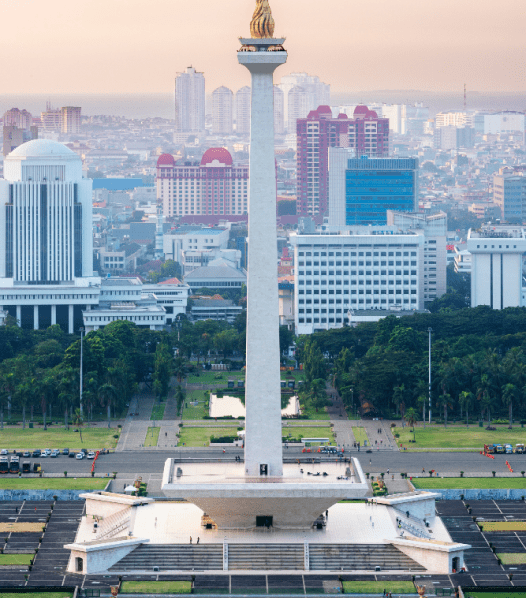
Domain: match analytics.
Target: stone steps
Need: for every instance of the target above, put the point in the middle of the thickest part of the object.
(287, 557)
(173, 557)
(359, 557)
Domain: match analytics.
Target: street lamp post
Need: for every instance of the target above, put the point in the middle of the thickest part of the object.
(430, 330)
(81, 365)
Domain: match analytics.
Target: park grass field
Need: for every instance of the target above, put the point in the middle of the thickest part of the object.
(194, 413)
(299, 432)
(69, 483)
(93, 438)
(469, 483)
(209, 377)
(377, 587)
(157, 412)
(458, 436)
(360, 435)
(63, 594)
(152, 437)
(15, 559)
(512, 558)
(156, 587)
(311, 413)
(503, 526)
(192, 437)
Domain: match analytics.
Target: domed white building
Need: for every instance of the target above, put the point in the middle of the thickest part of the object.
(46, 238)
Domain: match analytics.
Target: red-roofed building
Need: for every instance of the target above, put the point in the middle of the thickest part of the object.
(215, 186)
(365, 132)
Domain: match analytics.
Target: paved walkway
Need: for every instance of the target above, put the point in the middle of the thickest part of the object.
(135, 426)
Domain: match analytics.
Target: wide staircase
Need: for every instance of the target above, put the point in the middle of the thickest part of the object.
(287, 557)
(173, 557)
(360, 557)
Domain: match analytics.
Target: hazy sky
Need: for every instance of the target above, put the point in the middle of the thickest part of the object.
(138, 45)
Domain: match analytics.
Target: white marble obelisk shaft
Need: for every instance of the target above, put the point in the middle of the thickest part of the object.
(263, 390)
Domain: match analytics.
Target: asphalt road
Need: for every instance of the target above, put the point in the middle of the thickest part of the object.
(153, 461)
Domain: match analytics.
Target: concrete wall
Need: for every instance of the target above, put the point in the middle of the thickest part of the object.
(433, 560)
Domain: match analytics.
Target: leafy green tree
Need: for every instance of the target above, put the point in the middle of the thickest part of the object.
(179, 398)
(107, 394)
(162, 373)
(410, 416)
(78, 421)
(465, 399)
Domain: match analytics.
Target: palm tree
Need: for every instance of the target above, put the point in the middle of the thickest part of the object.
(444, 400)
(107, 393)
(410, 416)
(465, 398)
(179, 369)
(509, 392)
(179, 398)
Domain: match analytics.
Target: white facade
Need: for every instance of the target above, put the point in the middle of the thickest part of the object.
(434, 228)
(222, 108)
(499, 122)
(338, 157)
(263, 449)
(279, 111)
(318, 93)
(297, 106)
(190, 102)
(452, 119)
(243, 110)
(174, 244)
(497, 266)
(359, 268)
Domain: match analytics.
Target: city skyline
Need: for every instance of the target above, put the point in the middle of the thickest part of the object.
(409, 45)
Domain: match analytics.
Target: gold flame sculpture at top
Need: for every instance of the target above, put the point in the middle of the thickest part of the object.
(262, 24)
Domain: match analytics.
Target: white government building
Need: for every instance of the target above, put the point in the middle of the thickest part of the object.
(46, 250)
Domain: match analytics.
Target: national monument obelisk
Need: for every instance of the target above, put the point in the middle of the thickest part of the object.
(262, 54)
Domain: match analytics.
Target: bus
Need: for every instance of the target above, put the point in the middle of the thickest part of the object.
(14, 465)
(4, 465)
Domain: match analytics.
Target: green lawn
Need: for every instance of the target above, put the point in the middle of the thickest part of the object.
(208, 377)
(201, 436)
(95, 438)
(512, 558)
(360, 435)
(377, 587)
(152, 436)
(69, 483)
(311, 413)
(15, 559)
(458, 436)
(157, 412)
(465, 483)
(503, 526)
(195, 413)
(156, 587)
(62, 594)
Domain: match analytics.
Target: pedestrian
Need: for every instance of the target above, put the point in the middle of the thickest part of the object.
(372, 523)
(35, 509)
(156, 522)
(388, 471)
(423, 470)
(327, 514)
(197, 540)
(190, 539)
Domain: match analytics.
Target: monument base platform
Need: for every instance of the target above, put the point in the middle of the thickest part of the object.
(234, 500)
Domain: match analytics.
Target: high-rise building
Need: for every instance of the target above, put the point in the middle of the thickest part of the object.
(71, 119)
(509, 193)
(452, 119)
(359, 268)
(13, 137)
(297, 106)
(21, 119)
(363, 189)
(318, 93)
(450, 137)
(189, 102)
(434, 228)
(507, 121)
(213, 186)
(51, 118)
(46, 240)
(243, 110)
(315, 134)
(279, 111)
(365, 133)
(222, 105)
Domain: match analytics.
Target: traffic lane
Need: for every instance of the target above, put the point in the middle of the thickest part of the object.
(153, 461)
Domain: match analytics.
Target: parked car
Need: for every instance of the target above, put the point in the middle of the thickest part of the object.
(65, 451)
(79, 455)
(26, 454)
(4, 452)
(71, 454)
(91, 455)
(36, 453)
(85, 451)
(55, 453)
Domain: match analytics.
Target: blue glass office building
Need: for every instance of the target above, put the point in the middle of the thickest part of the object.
(375, 185)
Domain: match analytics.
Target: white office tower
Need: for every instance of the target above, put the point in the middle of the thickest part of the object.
(46, 238)
(189, 104)
(222, 106)
(497, 266)
(263, 450)
(279, 111)
(318, 93)
(243, 110)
